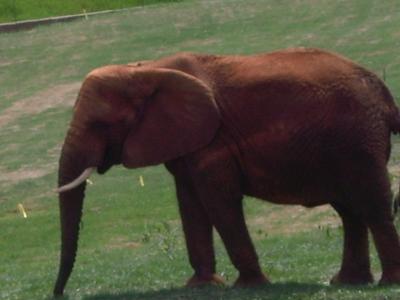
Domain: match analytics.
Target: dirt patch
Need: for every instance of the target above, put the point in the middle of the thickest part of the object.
(291, 219)
(23, 173)
(199, 42)
(5, 63)
(120, 243)
(59, 95)
(394, 170)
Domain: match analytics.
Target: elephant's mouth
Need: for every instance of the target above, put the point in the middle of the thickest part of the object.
(108, 161)
(112, 156)
(103, 168)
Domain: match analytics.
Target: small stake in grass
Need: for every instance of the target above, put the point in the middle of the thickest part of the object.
(141, 180)
(22, 210)
(85, 13)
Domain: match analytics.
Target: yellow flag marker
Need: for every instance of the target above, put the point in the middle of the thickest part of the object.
(89, 181)
(141, 180)
(22, 210)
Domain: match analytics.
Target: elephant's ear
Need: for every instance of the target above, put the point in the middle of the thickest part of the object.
(179, 116)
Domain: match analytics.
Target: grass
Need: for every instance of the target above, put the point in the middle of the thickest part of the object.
(131, 246)
(17, 10)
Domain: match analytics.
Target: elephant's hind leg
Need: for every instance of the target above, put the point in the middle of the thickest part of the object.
(388, 247)
(380, 221)
(230, 224)
(371, 198)
(355, 267)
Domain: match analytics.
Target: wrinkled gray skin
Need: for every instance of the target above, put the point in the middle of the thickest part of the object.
(299, 126)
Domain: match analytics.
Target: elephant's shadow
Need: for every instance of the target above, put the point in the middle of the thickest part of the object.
(286, 290)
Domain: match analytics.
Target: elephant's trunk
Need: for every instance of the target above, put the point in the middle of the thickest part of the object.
(70, 203)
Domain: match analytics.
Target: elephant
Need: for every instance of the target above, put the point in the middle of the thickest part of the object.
(300, 126)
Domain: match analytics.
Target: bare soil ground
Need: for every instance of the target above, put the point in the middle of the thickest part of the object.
(62, 95)
(59, 95)
(275, 220)
(22, 174)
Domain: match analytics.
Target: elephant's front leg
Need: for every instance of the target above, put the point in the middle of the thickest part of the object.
(198, 234)
(228, 218)
(218, 186)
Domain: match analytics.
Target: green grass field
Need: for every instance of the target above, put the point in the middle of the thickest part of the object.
(131, 245)
(18, 10)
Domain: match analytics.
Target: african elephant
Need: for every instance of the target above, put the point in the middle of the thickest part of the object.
(298, 126)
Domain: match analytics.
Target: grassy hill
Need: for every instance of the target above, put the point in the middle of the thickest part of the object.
(131, 245)
(18, 10)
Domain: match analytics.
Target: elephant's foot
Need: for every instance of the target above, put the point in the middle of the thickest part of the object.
(245, 281)
(203, 280)
(353, 278)
(390, 277)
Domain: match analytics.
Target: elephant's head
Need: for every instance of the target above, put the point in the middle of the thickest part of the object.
(134, 116)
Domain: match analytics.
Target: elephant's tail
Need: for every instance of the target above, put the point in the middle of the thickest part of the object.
(395, 128)
(394, 121)
(393, 113)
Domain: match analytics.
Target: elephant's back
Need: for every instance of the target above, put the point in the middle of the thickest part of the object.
(298, 86)
(292, 66)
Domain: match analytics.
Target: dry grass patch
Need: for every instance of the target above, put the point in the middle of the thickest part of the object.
(23, 173)
(121, 243)
(59, 95)
(290, 219)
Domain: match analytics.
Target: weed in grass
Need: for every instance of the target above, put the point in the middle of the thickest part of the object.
(164, 236)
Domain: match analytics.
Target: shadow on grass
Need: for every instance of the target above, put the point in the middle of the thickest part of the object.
(275, 291)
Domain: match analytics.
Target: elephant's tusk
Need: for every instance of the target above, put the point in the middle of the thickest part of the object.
(85, 175)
